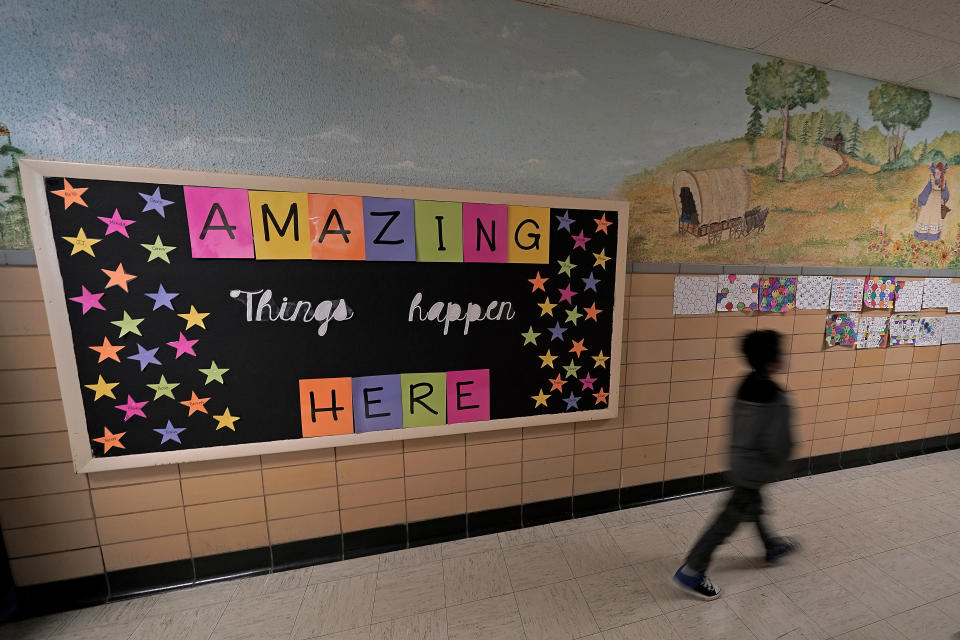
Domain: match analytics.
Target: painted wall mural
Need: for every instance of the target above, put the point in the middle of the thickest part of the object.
(724, 155)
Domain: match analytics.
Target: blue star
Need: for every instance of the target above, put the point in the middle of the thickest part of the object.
(155, 202)
(556, 332)
(588, 283)
(145, 356)
(572, 402)
(162, 298)
(565, 221)
(170, 432)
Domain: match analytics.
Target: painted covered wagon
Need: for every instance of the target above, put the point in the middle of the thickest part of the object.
(712, 201)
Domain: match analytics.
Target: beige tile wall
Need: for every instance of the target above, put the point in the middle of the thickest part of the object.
(679, 374)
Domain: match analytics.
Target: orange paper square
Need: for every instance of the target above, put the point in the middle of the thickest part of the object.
(339, 219)
(326, 407)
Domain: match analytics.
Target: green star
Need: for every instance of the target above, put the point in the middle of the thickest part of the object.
(530, 336)
(573, 315)
(566, 266)
(128, 324)
(571, 370)
(214, 373)
(163, 388)
(158, 250)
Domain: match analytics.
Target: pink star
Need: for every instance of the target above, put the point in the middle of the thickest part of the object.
(579, 240)
(89, 300)
(116, 224)
(182, 345)
(132, 408)
(566, 294)
(587, 382)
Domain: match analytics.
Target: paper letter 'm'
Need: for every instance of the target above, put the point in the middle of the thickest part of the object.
(280, 225)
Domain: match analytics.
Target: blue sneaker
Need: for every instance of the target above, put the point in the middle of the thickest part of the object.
(780, 548)
(698, 585)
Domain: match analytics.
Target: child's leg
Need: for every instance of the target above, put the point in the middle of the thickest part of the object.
(725, 523)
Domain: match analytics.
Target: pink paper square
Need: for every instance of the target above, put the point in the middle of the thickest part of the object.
(228, 234)
(468, 396)
(484, 225)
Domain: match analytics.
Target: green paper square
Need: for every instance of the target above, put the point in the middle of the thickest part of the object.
(430, 232)
(413, 385)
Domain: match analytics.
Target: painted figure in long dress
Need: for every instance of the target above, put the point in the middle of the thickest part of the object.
(930, 201)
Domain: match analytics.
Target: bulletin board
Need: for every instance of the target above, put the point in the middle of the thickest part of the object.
(197, 316)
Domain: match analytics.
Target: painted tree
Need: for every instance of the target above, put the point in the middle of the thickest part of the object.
(14, 208)
(805, 132)
(820, 128)
(853, 145)
(781, 86)
(755, 124)
(898, 109)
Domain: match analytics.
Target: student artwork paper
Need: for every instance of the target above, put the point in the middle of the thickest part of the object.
(936, 293)
(951, 330)
(953, 299)
(929, 332)
(846, 294)
(903, 328)
(841, 329)
(872, 332)
(910, 296)
(778, 294)
(813, 292)
(694, 294)
(737, 292)
(880, 292)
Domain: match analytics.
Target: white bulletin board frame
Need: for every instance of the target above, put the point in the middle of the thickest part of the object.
(33, 173)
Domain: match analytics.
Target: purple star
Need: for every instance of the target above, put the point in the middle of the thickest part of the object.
(145, 356)
(162, 298)
(580, 240)
(170, 432)
(572, 401)
(556, 332)
(565, 221)
(155, 202)
(566, 294)
(588, 283)
(587, 382)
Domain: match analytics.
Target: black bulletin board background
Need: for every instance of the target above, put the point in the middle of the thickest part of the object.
(266, 359)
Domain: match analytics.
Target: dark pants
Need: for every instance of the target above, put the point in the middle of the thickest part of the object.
(745, 505)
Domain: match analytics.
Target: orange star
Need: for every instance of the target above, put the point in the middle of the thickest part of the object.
(578, 347)
(195, 403)
(107, 351)
(601, 396)
(602, 223)
(70, 195)
(556, 383)
(110, 440)
(118, 277)
(538, 282)
(592, 312)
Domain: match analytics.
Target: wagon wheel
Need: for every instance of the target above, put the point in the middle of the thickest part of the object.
(736, 228)
(713, 235)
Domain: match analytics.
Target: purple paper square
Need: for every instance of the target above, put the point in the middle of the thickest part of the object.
(376, 403)
(389, 231)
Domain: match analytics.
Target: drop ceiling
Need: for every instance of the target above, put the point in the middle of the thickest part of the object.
(915, 42)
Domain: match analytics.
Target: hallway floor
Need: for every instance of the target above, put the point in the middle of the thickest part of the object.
(881, 561)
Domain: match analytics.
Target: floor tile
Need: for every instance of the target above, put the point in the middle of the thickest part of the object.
(684, 528)
(344, 569)
(714, 620)
(925, 623)
(271, 616)
(423, 626)
(37, 628)
(618, 597)
(657, 577)
(526, 535)
(536, 564)
(272, 583)
(116, 631)
(133, 610)
(621, 517)
(834, 609)
(658, 628)
(819, 548)
(769, 614)
(555, 612)
(921, 577)
(402, 592)
(644, 541)
(493, 619)
(590, 552)
(330, 607)
(475, 577)
(360, 633)
(666, 508)
(876, 631)
(733, 572)
(578, 525)
(884, 595)
(950, 606)
(193, 624)
(465, 547)
(193, 597)
(790, 566)
(406, 558)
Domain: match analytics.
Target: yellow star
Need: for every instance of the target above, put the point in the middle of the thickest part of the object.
(602, 258)
(540, 399)
(194, 318)
(600, 360)
(225, 420)
(81, 242)
(547, 360)
(546, 307)
(102, 388)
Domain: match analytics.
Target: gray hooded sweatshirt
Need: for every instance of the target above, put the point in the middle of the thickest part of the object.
(761, 441)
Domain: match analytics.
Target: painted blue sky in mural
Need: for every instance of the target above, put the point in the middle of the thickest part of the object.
(488, 95)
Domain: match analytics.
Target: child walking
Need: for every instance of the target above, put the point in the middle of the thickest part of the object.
(760, 449)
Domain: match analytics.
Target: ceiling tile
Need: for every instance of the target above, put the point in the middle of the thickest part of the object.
(945, 81)
(925, 16)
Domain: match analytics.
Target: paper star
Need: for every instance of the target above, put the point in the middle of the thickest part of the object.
(580, 241)
(118, 277)
(540, 399)
(162, 298)
(587, 382)
(70, 195)
(602, 223)
(592, 312)
(195, 403)
(155, 203)
(601, 396)
(102, 388)
(565, 221)
(600, 360)
(530, 336)
(110, 440)
(556, 332)
(225, 420)
(538, 282)
(128, 324)
(590, 282)
(214, 373)
(573, 315)
(145, 356)
(163, 388)
(132, 408)
(578, 347)
(194, 318)
(566, 266)
(571, 401)
(158, 250)
(547, 360)
(571, 370)
(566, 294)
(182, 345)
(556, 384)
(88, 300)
(602, 258)
(81, 242)
(107, 350)
(546, 307)
(116, 224)
(170, 432)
